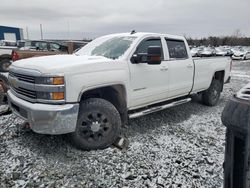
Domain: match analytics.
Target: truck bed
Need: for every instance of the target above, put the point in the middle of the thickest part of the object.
(205, 67)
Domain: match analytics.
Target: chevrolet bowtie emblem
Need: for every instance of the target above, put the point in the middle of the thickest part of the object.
(13, 82)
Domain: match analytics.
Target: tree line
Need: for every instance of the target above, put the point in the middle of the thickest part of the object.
(220, 41)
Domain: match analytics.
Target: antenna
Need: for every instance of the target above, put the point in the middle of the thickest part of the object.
(132, 32)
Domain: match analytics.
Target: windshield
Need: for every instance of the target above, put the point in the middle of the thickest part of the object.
(109, 47)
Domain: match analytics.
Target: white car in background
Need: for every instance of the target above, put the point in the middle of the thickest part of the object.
(220, 51)
(241, 54)
(208, 51)
(195, 52)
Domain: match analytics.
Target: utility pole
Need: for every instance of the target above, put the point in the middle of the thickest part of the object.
(27, 32)
(41, 30)
(68, 30)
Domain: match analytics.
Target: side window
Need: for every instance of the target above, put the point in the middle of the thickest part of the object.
(177, 49)
(41, 46)
(143, 46)
(54, 47)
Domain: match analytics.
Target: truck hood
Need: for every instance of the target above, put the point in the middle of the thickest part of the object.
(65, 63)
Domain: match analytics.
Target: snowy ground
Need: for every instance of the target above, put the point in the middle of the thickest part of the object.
(181, 146)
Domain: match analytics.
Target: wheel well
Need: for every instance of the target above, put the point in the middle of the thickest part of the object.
(219, 75)
(116, 94)
(5, 56)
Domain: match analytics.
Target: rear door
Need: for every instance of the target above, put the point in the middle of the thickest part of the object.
(181, 68)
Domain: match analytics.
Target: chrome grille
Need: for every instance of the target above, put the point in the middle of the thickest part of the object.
(24, 84)
(25, 92)
(22, 77)
(21, 85)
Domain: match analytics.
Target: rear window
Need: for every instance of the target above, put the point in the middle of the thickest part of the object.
(177, 49)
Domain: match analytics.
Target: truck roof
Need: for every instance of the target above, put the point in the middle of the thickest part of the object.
(143, 34)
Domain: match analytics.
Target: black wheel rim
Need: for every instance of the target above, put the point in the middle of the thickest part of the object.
(94, 126)
(215, 94)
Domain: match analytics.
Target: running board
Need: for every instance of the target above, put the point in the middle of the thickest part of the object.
(158, 108)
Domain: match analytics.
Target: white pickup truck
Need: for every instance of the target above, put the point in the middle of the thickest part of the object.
(93, 92)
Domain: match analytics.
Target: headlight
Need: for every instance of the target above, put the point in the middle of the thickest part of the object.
(59, 80)
(50, 88)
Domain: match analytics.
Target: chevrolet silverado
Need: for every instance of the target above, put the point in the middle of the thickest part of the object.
(92, 93)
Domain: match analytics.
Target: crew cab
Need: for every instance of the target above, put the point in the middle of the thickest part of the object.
(91, 94)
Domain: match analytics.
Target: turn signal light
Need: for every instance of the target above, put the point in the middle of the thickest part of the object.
(58, 81)
(58, 95)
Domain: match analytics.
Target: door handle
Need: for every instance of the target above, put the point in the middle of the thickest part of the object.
(164, 68)
(190, 66)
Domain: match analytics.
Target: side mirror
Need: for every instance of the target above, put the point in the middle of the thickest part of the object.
(139, 58)
(154, 55)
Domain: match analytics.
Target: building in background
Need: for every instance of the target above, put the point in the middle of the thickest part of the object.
(11, 33)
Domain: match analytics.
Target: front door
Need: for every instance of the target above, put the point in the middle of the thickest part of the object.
(149, 83)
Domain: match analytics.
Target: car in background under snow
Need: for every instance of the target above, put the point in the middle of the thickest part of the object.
(208, 51)
(220, 51)
(196, 52)
(241, 54)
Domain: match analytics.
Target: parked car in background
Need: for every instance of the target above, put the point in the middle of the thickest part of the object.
(196, 52)
(6, 48)
(220, 51)
(208, 51)
(229, 52)
(241, 54)
(45, 48)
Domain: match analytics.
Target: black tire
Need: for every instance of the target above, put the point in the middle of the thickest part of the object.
(98, 125)
(4, 65)
(236, 114)
(235, 117)
(211, 96)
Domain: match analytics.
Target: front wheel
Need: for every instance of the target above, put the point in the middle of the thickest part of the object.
(98, 125)
(211, 96)
(4, 65)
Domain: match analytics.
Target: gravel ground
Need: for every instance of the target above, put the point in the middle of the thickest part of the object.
(178, 147)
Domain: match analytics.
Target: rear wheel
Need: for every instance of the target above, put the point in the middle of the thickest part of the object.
(211, 96)
(4, 65)
(98, 125)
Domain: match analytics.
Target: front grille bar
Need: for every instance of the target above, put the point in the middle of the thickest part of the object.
(21, 77)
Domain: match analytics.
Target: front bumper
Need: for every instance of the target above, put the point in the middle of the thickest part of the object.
(238, 57)
(45, 118)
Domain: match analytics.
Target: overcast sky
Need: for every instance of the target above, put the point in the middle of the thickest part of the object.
(77, 19)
